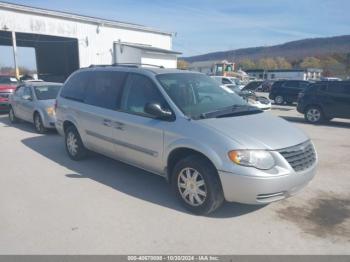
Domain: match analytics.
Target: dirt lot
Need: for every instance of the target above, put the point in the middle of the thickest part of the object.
(52, 205)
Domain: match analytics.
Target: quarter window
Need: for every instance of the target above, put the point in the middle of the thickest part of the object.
(76, 86)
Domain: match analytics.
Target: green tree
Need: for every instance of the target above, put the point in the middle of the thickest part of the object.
(282, 63)
(182, 64)
(246, 64)
(310, 62)
(267, 63)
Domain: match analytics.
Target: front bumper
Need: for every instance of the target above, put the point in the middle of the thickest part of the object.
(264, 189)
(49, 121)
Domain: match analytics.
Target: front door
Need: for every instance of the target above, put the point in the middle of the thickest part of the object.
(142, 135)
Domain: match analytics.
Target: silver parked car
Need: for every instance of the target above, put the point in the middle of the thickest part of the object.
(210, 145)
(34, 102)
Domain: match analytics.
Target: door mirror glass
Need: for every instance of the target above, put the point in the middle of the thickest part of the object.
(157, 111)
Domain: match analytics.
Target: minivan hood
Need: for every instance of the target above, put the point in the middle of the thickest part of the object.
(257, 131)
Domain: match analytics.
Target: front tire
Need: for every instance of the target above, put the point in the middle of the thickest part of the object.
(74, 145)
(38, 124)
(279, 100)
(314, 115)
(196, 184)
(12, 116)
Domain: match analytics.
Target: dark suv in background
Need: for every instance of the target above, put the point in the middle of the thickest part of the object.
(287, 91)
(325, 100)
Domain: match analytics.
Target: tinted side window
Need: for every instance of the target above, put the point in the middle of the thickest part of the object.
(291, 84)
(337, 87)
(76, 86)
(303, 85)
(19, 91)
(139, 91)
(321, 86)
(105, 89)
(27, 92)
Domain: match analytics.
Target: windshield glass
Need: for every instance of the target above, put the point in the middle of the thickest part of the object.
(8, 80)
(197, 94)
(47, 92)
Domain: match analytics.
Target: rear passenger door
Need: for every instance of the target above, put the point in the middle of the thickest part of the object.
(291, 90)
(99, 114)
(16, 99)
(142, 135)
(27, 105)
(338, 92)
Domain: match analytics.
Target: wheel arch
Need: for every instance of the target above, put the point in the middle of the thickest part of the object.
(178, 153)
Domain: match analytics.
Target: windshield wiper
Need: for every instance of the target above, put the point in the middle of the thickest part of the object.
(231, 111)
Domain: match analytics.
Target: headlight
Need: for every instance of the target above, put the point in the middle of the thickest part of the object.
(260, 159)
(50, 111)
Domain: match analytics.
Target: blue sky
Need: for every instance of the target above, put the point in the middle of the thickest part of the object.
(213, 25)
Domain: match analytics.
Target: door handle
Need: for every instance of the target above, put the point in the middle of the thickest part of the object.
(119, 125)
(107, 122)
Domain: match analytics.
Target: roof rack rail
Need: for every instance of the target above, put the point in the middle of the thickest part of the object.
(135, 65)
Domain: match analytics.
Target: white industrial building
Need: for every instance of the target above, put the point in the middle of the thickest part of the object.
(64, 42)
(289, 74)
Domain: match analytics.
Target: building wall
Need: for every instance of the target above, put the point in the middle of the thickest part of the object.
(95, 43)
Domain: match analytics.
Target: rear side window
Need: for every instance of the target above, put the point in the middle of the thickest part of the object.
(291, 84)
(320, 86)
(338, 87)
(76, 86)
(105, 89)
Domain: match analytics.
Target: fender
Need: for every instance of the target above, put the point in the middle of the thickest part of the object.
(213, 156)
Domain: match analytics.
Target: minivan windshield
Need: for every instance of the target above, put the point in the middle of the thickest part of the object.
(46, 92)
(199, 96)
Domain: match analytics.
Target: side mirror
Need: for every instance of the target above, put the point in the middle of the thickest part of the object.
(27, 97)
(156, 110)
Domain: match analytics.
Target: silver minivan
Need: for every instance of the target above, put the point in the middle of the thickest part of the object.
(208, 143)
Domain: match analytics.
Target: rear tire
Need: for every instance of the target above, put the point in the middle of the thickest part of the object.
(12, 116)
(314, 115)
(196, 184)
(279, 100)
(74, 145)
(38, 124)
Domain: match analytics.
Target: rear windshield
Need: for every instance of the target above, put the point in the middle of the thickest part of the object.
(47, 92)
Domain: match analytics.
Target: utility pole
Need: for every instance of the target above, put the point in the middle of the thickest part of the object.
(14, 46)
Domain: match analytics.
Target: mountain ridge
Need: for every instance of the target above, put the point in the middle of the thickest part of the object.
(292, 50)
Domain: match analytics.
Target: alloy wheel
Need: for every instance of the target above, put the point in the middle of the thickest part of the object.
(192, 187)
(12, 118)
(279, 100)
(72, 144)
(38, 124)
(313, 115)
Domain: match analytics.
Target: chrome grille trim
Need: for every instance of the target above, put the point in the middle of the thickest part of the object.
(300, 157)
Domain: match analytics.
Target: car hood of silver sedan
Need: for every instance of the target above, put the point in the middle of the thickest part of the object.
(257, 131)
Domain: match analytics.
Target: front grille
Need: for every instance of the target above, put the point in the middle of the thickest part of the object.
(300, 157)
